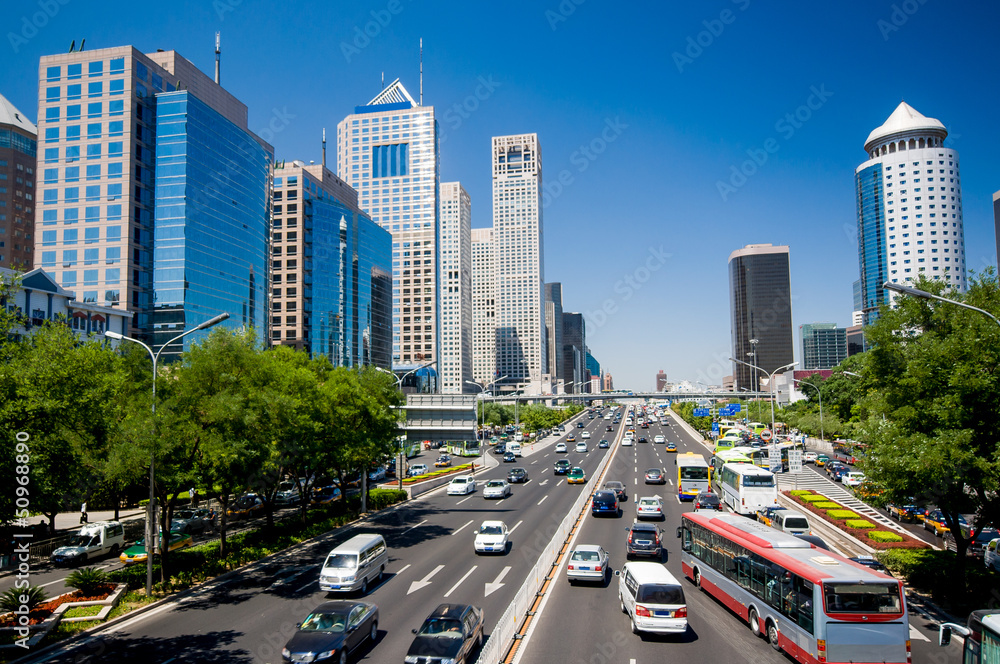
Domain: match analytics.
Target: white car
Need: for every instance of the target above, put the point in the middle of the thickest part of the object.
(853, 479)
(649, 507)
(588, 562)
(809, 457)
(377, 475)
(418, 469)
(581, 447)
(461, 486)
(627, 441)
(560, 447)
(496, 489)
(659, 439)
(492, 537)
(585, 434)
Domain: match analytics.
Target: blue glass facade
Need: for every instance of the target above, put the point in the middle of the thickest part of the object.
(211, 221)
(871, 239)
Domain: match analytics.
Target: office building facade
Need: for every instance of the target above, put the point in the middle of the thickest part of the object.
(661, 380)
(388, 151)
(855, 336)
(518, 259)
(331, 282)
(18, 157)
(760, 310)
(909, 201)
(553, 332)
(574, 352)
(456, 289)
(484, 340)
(824, 345)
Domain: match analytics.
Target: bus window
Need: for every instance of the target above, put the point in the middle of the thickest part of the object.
(862, 598)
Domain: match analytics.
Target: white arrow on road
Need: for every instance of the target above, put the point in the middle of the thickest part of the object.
(426, 581)
(496, 585)
(543, 483)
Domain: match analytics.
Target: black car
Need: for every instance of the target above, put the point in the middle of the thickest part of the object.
(562, 467)
(579, 425)
(706, 500)
(618, 488)
(643, 540)
(450, 633)
(605, 502)
(517, 475)
(337, 628)
(609, 428)
(977, 547)
(643, 440)
(604, 443)
(500, 449)
(509, 457)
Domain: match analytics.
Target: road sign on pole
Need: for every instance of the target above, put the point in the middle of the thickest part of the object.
(795, 461)
(774, 458)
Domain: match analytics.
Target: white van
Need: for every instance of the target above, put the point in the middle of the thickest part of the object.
(355, 564)
(991, 555)
(792, 522)
(93, 541)
(514, 448)
(652, 598)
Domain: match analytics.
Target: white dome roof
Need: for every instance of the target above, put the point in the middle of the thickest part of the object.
(905, 119)
(10, 115)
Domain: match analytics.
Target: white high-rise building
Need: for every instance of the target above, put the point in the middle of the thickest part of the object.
(518, 260)
(484, 343)
(456, 289)
(388, 151)
(909, 207)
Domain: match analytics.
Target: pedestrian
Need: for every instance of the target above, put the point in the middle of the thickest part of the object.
(193, 493)
(83, 514)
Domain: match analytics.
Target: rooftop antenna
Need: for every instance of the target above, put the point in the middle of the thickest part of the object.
(218, 53)
(324, 147)
(421, 71)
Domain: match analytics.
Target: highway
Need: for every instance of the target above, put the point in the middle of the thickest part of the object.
(250, 616)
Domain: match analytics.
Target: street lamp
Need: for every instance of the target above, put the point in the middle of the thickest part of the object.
(770, 384)
(916, 292)
(151, 512)
(822, 434)
(756, 383)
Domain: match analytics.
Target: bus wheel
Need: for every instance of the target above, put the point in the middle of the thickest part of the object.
(754, 622)
(772, 635)
(697, 578)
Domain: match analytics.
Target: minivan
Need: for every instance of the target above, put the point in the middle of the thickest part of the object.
(514, 448)
(652, 598)
(790, 521)
(355, 564)
(93, 541)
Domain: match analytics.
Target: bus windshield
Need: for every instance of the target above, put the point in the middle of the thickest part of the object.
(862, 598)
(694, 472)
(758, 480)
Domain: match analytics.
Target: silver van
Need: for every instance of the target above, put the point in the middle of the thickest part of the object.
(789, 521)
(355, 564)
(652, 598)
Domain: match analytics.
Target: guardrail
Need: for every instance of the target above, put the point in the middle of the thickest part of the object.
(503, 635)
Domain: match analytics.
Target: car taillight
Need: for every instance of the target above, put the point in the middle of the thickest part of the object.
(630, 537)
(642, 611)
(908, 655)
(821, 650)
(681, 613)
(571, 567)
(598, 569)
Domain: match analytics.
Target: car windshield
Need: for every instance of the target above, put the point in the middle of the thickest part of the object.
(491, 530)
(184, 514)
(442, 627)
(324, 622)
(586, 556)
(341, 561)
(613, 485)
(459, 480)
(576, 471)
(660, 594)
(80, 540)
(795, 522)
(494, 483)
(862, 598)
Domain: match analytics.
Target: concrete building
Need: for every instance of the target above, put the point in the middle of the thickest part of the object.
(388, 151)
(727, 383)
(661, 380)
(456, 289)
(484, 341)
(331, 281)
(761, 311)
(909, 199)
(609, 383)
(18, 155)
(824, 345)
(574, 351)
(519, 260)
(553, 333)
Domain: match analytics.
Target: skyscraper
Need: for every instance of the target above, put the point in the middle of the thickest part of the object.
(553, 331)
(661, 380)
(824, 345)
(574, 351)
(909, 198)
(761, 310)
(331, 278)
(996, 221)
(18, 155)
(484, 340)
(519, 262)
(456, 289)
(388, 151)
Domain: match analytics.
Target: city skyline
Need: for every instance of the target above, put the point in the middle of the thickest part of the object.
(738, 88)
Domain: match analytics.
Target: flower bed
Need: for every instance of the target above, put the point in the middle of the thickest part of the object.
(878, 539)
(46, 609)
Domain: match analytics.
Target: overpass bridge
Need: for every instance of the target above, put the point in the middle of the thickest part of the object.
(625, 396)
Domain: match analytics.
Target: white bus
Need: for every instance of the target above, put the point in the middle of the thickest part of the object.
(747, 488)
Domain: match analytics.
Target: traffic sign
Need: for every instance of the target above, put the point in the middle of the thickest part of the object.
(735, 408)
(715, 427)
(701, 412)
(795, 461)
(774, 458)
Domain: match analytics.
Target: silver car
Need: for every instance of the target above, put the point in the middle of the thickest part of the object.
(588, 562)
(496, 489)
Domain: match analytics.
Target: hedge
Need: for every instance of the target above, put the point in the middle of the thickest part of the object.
(884, 536)
(932, 571)
(864, 524)
(801, 492)
(828, 505)
(382, 498)
(814, 498)
(905, 542)
(839, 514)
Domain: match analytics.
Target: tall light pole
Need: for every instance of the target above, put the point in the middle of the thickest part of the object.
(822, 434)
(151, 510)
(916, 292)
(756, 382)
(770, 382)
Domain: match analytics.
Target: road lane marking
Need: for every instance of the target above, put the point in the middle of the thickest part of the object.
(306, 586)
(62, 580)
(543, 483)
(454, 587)
(535, 461)
(463, 500)
(426, 581)
(497, 585)
(915, 634)
(671, 482)
(515, 527)
(559, 482)
(455, 532)
(403, 569)
(413, 526)
(543, 499)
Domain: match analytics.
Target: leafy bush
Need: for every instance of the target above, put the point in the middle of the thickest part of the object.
(382, 498)
(838, 513)
(814, 498)
(11, 600)
(828, 505)
(884, 536)
(864, 524)
(801, 492)
(88, 580)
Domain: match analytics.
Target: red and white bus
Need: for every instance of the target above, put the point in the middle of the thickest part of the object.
(817, 606)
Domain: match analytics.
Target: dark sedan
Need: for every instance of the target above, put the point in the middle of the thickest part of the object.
(332, 631)
(509, 457)
(561, 467)
(618, 488)
(450, 633)
(517, 475)
(706, 500)
(193, 522)
(500, 449)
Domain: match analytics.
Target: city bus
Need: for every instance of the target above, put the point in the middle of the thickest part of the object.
(693, 475)
(728, 441)
(982, 637)
(411, 448)
(747, 488)
(757, 455)
(815, 605)
(727, 456)
(464, 448)
(757, 427)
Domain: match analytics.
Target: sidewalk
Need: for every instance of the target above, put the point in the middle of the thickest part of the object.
(67, 521)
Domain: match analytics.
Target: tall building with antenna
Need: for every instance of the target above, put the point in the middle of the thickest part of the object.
(388, 151)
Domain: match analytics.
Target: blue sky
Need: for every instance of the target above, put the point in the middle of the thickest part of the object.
(640, 137)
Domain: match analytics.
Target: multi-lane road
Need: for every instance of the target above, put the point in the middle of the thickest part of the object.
(250, 616)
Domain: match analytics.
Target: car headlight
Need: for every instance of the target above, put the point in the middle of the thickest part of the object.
(326, 654)
(286, 653)
(448, 661)
(347, 578)
(411, 659)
